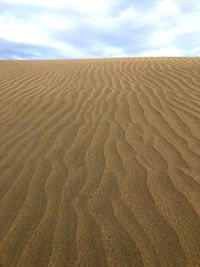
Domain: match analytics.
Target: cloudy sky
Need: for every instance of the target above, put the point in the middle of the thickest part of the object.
(48, 29)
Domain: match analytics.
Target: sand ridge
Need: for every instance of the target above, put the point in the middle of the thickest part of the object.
(100, 162)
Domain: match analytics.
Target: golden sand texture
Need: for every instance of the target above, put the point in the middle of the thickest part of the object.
(100, 162)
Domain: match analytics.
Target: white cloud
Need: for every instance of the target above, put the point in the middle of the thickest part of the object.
(107, 23)
(86, 5)
(66, 49)
(167, 52)
(54, 22)
(18, 31)
(17, 57)
(112, 51)
(156, 30)
(12, 29)
(189, 23)
(186, 23)
(161, 14)
(163, 37)
(167, 7)
(128, 13)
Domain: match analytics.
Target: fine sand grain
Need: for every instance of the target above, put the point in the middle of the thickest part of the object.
(100, 162)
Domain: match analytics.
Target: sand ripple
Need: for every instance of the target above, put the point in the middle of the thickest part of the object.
(100, 162)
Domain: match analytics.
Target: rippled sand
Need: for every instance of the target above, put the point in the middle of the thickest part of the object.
(100, 162)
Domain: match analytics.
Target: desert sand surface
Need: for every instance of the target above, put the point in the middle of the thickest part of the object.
(100, 162)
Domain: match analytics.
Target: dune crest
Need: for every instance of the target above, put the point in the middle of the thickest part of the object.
(100, 162)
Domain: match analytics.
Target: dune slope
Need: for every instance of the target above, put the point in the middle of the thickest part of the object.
(100, 162)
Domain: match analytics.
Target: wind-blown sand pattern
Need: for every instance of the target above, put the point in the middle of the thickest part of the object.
(100, 162)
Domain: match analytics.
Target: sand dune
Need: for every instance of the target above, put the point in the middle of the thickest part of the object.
(100, 162)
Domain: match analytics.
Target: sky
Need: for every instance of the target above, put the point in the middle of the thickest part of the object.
(64, 29)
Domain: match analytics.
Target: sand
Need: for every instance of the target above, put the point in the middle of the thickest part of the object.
(100, 162)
